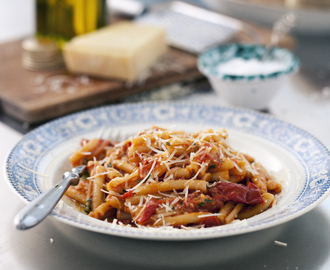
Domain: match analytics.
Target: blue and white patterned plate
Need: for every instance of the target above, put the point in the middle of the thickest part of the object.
(297, 159)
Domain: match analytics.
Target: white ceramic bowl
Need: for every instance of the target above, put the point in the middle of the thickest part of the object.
(251, 89)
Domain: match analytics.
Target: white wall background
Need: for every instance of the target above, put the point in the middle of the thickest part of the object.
(17, 19)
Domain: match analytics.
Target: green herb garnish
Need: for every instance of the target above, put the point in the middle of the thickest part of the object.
(212, 166)
(88, 207)
(85, 161)
(201, 204)
(85, 174)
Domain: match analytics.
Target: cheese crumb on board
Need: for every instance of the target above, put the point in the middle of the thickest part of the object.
(122, 51)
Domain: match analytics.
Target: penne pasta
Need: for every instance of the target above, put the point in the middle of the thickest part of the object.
(257, 209)
(99, 180)
(171, 178)
(170, 185)
(185, 219)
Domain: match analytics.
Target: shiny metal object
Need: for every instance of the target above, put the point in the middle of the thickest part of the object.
(280, 28)
(37, 210)
(129, 8)
(192, 28)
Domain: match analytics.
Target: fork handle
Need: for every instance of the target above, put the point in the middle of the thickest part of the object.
(38, 209)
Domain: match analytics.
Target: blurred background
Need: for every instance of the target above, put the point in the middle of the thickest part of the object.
(309, 39)
(312, 31)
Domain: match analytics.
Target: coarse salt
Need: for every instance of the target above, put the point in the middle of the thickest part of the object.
(242, 67)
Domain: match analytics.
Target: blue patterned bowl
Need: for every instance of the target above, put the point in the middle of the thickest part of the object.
(254, 79)
(297, 159)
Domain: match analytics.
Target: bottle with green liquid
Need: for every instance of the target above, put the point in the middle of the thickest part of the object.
(61, 20)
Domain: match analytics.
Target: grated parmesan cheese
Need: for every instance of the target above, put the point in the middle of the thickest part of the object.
(147, 176)
(279, 243)
(209, 215)
(236, 166)
(142, 198)
(96, 175)
(211, 149)
(200, 169)
(34, 172)
(85, 153)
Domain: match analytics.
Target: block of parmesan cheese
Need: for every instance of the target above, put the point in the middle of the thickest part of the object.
(122, 51)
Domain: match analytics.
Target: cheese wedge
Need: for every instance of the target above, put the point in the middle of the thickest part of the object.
(123, 51)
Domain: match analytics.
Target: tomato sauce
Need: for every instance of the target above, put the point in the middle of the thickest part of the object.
(127, 195)
(237, 193)
(148, 211)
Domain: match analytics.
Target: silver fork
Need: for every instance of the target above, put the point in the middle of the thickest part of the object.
(37, 210)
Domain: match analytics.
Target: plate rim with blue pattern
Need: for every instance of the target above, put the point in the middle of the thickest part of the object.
(36, 150)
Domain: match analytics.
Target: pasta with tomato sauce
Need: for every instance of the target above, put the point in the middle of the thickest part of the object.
(168, 178)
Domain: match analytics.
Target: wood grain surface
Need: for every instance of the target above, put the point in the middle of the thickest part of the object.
(26, 95)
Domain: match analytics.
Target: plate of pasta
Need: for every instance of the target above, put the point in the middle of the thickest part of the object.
(173, 171)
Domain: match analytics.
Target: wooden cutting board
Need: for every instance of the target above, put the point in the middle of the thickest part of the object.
(31, 96)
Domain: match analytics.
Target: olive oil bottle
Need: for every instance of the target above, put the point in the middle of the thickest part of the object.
(61, 20)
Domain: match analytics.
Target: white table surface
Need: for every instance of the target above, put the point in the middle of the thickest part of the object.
(301, 102)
